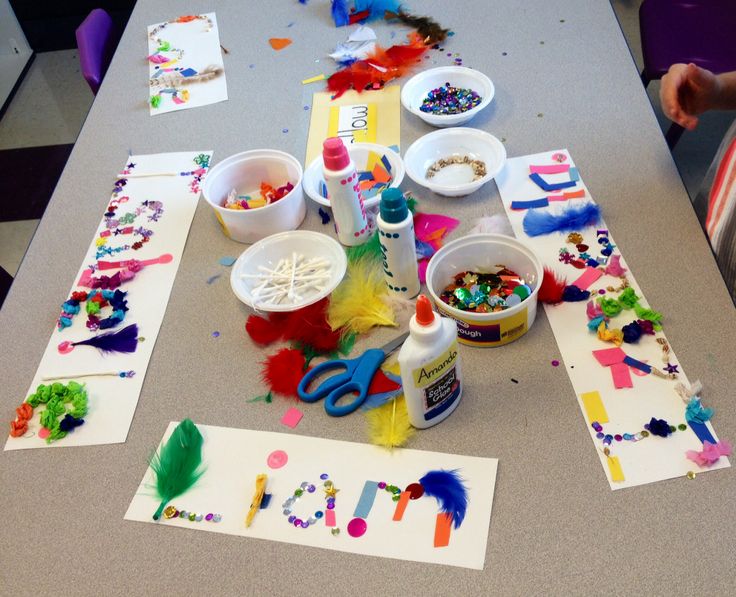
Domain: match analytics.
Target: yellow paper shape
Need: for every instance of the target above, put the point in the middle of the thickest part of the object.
(374, 118)
(617, 475)
(594, 408)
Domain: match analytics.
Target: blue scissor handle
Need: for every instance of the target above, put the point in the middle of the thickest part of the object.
(357, 377)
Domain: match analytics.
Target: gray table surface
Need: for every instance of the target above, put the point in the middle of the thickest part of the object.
(556, 525)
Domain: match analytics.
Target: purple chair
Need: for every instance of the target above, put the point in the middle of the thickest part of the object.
(699, 31)
(96, 42)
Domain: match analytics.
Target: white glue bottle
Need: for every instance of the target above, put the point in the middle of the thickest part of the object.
(430, 367)
(343, 189)
(396, 236)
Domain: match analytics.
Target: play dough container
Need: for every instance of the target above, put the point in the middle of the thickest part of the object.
(483, 253)
(245, 172)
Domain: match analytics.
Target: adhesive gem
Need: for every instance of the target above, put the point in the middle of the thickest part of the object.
(357, 527)
(416, 490)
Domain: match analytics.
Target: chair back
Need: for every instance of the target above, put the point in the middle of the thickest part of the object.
(96, 45)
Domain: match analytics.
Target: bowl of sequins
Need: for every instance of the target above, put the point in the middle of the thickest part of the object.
(487, 283)
(256, 193)
(447, 95)
(378, 168)
(288, 271)
(454, 162)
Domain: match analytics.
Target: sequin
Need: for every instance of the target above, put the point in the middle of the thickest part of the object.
(324, 476)
(357, 527)
(217, 518)
(381, 485)
(209, 517)
(416, 490)
(690, 475)
(331, 506)
(297, 522)
(319, 514)
(192, 516)
(304, 484)
(305, 524)
(170, 512)
(291, 519)
(682, 426)
(335, 531)
(198, 518)
(311, 488)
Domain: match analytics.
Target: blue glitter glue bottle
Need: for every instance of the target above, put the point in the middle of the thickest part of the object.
(396, 236)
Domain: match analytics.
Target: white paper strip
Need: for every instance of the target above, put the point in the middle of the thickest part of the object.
(628, 409)
(234, 457)
(185, 64)
(112, 400)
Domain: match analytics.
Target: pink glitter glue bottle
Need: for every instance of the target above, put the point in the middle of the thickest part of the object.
(343, 189)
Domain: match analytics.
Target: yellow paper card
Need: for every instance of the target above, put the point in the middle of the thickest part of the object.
(368, 117)
(617, 475)
(594, 408)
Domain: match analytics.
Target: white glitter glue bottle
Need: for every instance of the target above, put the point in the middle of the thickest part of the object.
(396, 236)
(343, 189)
(430, 367)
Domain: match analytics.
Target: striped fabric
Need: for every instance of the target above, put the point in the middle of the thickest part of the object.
(716, 208)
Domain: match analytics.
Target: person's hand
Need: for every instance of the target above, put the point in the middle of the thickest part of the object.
(688, 90)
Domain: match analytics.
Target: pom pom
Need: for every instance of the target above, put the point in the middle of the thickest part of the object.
(388, 425)
(710, 453)
(552, 287)
(574, 217)
(283, 371)
(659, 427)
(632, 333)
(448, 489)
(261, 330)
(572, 294)
(614, 267)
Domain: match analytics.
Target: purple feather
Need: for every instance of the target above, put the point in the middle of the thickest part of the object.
(572, 219)
(125, 340)
(448, 489)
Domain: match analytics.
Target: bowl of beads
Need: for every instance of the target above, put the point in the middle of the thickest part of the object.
(455, 162)
(487, 283)
(378, 168)
(256, 193)
(448, 95)
(288, 271)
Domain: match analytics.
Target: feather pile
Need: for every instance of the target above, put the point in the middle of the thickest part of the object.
(178, 464)
(125, 340)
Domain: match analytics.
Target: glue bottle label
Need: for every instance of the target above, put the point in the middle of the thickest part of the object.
(439, 383)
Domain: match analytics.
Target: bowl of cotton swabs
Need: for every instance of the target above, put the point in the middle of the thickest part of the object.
(288, 271)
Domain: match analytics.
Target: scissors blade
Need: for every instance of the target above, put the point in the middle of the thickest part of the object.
(394, 344)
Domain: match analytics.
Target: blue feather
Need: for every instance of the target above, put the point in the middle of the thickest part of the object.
(340, 13)
(572, 219)
(448, 489)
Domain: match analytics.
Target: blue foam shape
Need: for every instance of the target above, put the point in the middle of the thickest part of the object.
(702, 432)
(365, 176)
(367, 497)
(386, 163)
(394, 147)
(549, 187)
(632, 362)
(265, 501)
(227, 261)
(188, 72)
(574, 174)
(532, 204)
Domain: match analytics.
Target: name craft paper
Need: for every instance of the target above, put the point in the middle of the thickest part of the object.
(185, 64)
(629, 408)
(112, 400)
(234, 457)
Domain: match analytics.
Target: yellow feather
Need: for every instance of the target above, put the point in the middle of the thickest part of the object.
(388, 425)
(358, 304)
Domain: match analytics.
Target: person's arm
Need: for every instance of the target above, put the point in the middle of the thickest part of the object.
(688, 90)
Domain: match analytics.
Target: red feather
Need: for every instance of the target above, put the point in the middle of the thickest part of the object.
(262, 331)
(309, 326)
(552, 287)
(283, 371)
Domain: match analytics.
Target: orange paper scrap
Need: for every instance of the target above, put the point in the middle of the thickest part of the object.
(401, 505)
(279, 43)
(442, 529)
(380, 174)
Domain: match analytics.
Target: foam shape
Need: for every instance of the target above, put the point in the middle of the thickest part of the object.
(442, 529)
(632, 362)
(588, 277)
(702, 431)
(367, 497)
(292, 417)
(548, 186)
(550, 169)
(279, 43)
(609, 356)
(621, 376)
(614, 466)
(401, 505)
(330, 520)
(532, 204)
(594, 408)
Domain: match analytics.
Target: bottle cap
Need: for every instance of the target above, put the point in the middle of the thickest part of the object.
(393, 206)
(425, 314)
(335, 154)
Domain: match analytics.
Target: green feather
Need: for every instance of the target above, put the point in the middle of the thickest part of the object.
(177, 465)
(370, 249)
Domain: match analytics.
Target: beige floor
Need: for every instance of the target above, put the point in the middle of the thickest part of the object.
(54, 99)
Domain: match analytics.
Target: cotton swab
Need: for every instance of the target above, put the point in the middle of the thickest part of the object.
(122, 374)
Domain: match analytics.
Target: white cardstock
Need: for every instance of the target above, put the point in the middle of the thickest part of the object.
(654, 458)
(234, 457)
(192, 49)
(112, 400)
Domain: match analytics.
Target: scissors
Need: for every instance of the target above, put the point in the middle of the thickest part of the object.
(356, 377)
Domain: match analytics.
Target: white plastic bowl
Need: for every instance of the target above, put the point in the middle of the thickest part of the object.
(482, 253)
(455, 180)
(245, 171)
(359, 153)
(269, 251)
(417, 88)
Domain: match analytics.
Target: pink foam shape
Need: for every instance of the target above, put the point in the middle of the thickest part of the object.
(550, 169)
(588, 277)
(330, 520)
(609, 356)
(621, 376)
(292, 417)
